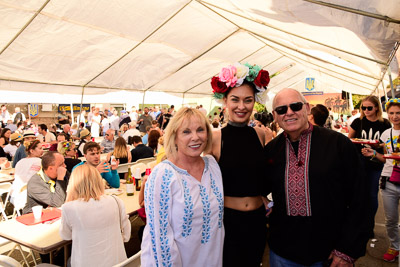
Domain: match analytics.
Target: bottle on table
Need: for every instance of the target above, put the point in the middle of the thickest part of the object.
(138, 179)
(129, 184)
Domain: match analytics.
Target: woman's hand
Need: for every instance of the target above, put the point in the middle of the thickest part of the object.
(367, 152)
(268, 205)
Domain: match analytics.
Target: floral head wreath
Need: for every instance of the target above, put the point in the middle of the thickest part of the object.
(66, 145)
(234, 75)
(392, 100)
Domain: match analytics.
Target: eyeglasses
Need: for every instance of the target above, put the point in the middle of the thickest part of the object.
(369, 108)
(293, 106)
(107, 135)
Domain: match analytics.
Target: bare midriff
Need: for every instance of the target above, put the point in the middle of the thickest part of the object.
(243, 203)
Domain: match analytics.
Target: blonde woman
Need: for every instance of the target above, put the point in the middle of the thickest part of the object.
(96, 242)
(184, 198)
(370, 126)
(121, 152)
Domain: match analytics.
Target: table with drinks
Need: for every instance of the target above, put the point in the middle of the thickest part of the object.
(44, 237)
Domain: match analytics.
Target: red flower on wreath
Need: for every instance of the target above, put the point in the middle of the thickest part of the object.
(218, 86)
(262, 79)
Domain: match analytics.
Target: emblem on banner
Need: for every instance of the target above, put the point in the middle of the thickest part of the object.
(33, 110)
(310, 84)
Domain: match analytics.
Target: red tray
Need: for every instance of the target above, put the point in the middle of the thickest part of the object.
(365, 141)
(47, 215)
(390, 156)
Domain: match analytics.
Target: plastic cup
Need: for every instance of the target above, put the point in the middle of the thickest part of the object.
(37, 212)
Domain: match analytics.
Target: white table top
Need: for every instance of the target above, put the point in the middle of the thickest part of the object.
(45, 238)
(7, 175)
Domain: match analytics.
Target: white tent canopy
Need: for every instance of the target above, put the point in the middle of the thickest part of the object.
(96, 47)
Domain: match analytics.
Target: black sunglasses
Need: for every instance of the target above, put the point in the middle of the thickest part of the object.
(369, 108)
(293, 106)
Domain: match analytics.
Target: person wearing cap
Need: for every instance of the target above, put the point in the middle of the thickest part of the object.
(29, 135)
(15, 142)
(85, 136)
(131, 132)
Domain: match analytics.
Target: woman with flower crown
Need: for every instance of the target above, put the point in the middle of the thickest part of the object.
(238, 148)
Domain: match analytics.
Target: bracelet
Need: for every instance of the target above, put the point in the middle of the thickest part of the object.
(374, 154)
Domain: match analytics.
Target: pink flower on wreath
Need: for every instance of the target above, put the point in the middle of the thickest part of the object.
(228, 75)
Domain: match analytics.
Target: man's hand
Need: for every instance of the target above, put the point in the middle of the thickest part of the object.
(61, 171)
(338, 262)
(115, 165)
(103, 166)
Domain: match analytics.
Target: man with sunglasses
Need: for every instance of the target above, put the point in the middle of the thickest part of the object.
(108, 143)
(319, 196)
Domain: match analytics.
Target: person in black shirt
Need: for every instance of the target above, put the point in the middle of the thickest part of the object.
(140, 151)
(319, 191)
(370, 126)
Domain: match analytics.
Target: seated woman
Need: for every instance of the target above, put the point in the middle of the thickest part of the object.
(154, 135)
(68, 150)
(121, 152)
(25, 169)
(14, 144)
(5, 137)
(184, 199)
(93, 221)
(85, 136)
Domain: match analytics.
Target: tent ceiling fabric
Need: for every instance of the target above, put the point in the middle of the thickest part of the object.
(61, 46)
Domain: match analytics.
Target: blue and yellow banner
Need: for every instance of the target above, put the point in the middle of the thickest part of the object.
(76, 107)
(33, 110)
(310, 84)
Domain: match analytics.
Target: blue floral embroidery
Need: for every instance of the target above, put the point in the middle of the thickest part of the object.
(205, 231)
(188, 211)
(163, 219)
(220, 200)
(149, 200)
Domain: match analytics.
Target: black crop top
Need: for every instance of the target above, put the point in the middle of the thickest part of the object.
(242, 162)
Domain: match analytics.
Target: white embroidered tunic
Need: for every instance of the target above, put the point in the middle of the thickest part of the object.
(184, 217)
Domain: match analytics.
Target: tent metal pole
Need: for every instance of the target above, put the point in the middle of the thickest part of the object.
(391, 56)
(83, 92)
(389, 72)
(355, 11)
(72, 113)
(379, 97)
(25, 26)
(141, 42)
(183, 99)
(206, 4)
(384, 91)
(144, 94)
(197, 57)
(209, 79)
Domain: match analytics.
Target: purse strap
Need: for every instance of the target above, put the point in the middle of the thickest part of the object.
(119, 214)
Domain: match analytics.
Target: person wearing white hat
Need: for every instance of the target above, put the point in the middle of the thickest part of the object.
(15, 142)
(29, 135)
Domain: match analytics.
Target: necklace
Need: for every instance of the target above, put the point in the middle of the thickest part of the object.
(237, 124)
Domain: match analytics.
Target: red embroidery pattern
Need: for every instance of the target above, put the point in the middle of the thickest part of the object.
(296, 176)
(343, 256)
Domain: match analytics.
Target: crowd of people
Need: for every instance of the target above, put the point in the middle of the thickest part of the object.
(220, 179)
